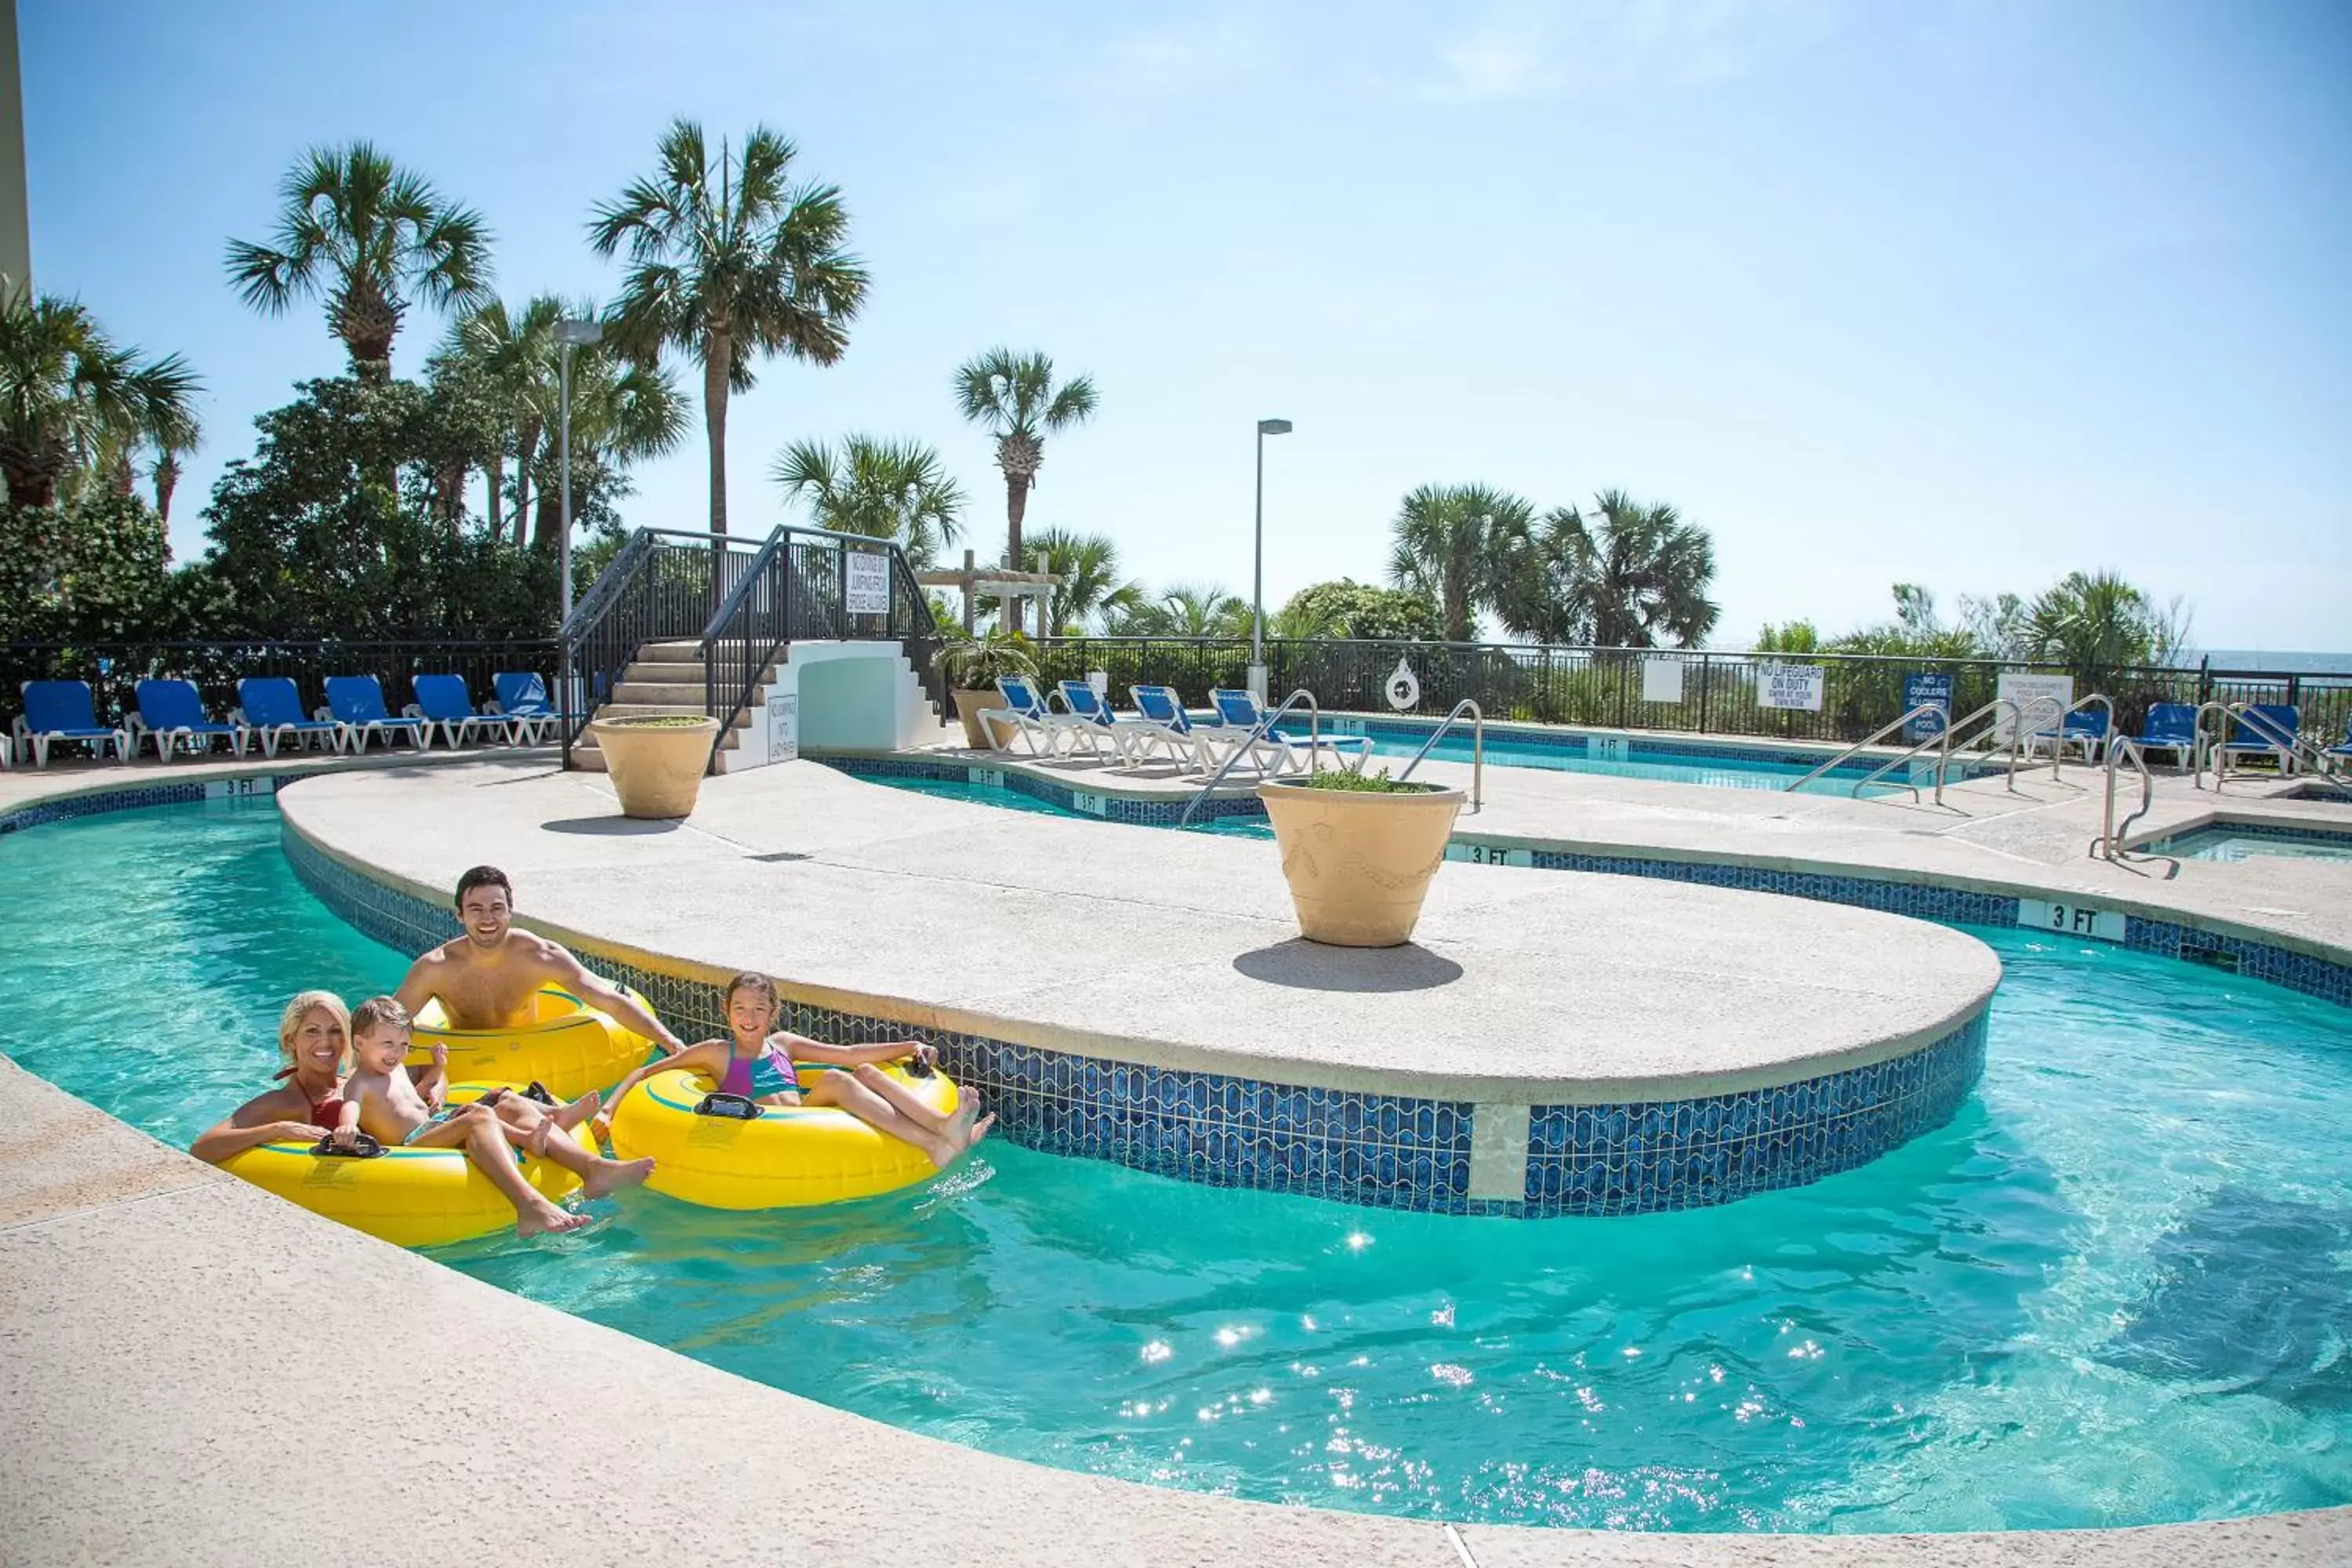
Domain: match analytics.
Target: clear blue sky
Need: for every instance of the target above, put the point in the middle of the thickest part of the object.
(1969, 294)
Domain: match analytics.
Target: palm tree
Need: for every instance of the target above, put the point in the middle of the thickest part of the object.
(369, 235)
(1629, 576)
(1644, 571)
(883, 490)
(72, 401)
(1188, 610)
(2092, 623)
(1014, 397)
(621, 413)
(515, 351)
(729, 262)
(1458, 544)
(1090, 589)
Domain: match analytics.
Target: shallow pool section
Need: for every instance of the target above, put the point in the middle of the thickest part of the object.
(2116, 1288)
(1658, 759)
(2234, 841)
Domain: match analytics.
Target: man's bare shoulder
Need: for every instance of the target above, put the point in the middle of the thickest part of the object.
(541, 954)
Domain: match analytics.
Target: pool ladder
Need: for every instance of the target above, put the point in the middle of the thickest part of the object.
(1478, 749)
(2022, 714)
(2301, 747)
(1257, 738)
(2110, 841)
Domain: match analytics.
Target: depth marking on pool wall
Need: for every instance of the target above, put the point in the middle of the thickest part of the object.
(2069, 919)
(1490, 855)
(1092, 805)
(1498, 1151)
(1607, 748)
(987, 778)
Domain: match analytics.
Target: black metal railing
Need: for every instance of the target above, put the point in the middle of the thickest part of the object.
(659, 588)
(114, 670)
(811, 583)
(912, 624)
(1719, 693)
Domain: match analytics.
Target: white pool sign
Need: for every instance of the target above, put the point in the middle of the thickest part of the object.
(1662, 680)
(2041, 698)
(865, 586)
(1403, 688)
(1797, 685)
(783, 726)
(2069, 919)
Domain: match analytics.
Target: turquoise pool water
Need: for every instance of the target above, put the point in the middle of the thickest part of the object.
(2116, 1289)
(2229, 844)
(1628, 758)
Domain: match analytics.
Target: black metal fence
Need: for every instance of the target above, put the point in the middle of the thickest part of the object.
(1721, 693)
(114, 670)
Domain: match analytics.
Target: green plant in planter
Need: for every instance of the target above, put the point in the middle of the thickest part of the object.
(658, 721)
(972, 662)
(1364, 783)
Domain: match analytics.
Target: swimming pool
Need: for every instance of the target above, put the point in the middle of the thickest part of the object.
(2232, 841)
(1659, 759)
(2113, 1290)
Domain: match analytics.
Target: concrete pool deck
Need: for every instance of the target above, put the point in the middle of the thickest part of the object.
(107, 1240)
(1139, 944)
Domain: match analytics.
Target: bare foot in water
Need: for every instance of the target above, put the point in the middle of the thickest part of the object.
(545, 1217)
(571, 1116)
(610, 1175)
(964, 1129)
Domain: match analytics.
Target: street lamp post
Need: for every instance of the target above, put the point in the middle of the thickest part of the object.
(1257, 573)
(568, 335)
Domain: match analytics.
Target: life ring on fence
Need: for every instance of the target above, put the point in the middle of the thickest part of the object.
(568, 1046)
(722, 1153)
(410, 1197)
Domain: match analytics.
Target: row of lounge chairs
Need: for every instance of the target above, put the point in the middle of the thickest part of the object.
(2263, 729)
(269, 714)
(1159, 729)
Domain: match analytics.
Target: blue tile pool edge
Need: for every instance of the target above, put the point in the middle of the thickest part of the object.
(1367, 1148)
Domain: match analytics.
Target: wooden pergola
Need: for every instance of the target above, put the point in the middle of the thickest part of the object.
(978, 583)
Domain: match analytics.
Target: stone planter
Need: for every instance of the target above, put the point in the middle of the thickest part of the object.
(968, 706)
(656, 762)
(1359, 863)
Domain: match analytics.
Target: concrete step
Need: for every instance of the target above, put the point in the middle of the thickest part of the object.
(686, 651)
(672, 672)
(653, 694)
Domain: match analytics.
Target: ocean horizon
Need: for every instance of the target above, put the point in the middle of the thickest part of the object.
(2285, 662)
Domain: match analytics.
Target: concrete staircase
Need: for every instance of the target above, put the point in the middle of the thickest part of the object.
(668, 678)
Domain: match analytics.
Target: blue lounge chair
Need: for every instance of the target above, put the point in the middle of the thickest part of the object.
(356, 702)
(1026, 711)
(443, 700)
(65, 710)
(2264, 729)
(270, 707)
(171, 711)
(2086, 728)
(523, 697)
(1239, 713)
(1133, 739)
(2170, 727)
(2342, 751)
(1162, 708)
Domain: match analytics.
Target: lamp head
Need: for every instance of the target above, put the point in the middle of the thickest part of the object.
(579, 335)
(1273, 426)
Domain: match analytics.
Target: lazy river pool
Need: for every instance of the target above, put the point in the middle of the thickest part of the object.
(2116, 1288)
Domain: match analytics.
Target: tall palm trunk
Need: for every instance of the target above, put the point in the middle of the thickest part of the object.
(167, 480)
(494, 478)
(1016, 506)
(718, 352)
(526, 455)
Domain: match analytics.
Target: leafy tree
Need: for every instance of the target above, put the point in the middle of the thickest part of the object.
(729, 261)
(73, 403)
(329, 527)
(94, 571)
(369, 236)
(1015, 398)
(1459, 546)
(623, 412)
(897, 490)
(1797, 636)
(1091, 590)
(513, 352)
(1996, 626)
(1347, 609)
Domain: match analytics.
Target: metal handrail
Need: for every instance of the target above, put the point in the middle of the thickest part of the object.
(2296, 745)
(2022, 714)
(2110, 840)
(1875, 736)
(1257, 738)
(2058, 731)
(715, 630)
(1478, 749)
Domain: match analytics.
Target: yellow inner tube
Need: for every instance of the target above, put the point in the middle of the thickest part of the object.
(410, 1197)
(789, 1158)
(567, 1046)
